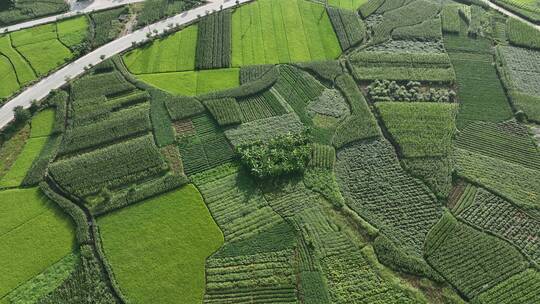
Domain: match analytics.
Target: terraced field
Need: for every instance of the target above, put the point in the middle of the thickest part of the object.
(277, 151)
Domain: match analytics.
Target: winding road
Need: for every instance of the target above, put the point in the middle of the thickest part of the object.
(41, 89)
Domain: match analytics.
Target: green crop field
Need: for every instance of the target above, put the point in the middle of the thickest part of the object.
(272, 152)
(34, 234)
(172, 235)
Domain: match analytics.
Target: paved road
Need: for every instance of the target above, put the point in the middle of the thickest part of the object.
(76, 9)
(509, 13)
(41, 89)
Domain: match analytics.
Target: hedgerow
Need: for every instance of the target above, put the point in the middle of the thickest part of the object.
(87, 283)
(82, 230)
(225, 111)
(469, 259)
(214, 41)
(350, 29)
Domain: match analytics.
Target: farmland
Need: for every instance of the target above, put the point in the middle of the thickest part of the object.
(274, 151)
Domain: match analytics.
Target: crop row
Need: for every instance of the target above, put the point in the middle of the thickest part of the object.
(502, 218)
(214, 41)
(225, 111)
(260, 106)
(350, 29)
(469, 259)
(110, 167)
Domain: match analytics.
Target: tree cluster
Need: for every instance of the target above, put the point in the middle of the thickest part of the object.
(284, 154)
(385, 90)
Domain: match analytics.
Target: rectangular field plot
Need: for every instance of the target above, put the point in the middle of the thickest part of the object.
(282, 31)
(194, 82)
(45, 56)
(157, 248)
(34, 234)
(172, 54)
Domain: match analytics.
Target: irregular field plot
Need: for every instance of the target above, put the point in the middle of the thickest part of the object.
(23, 70)
(17, 172)
(45, 56)
(157, 248)
(194, 82)
(282, 31)
(421, 129)
(34, 234)
(72, 31)
(8, 78)
(172, 54)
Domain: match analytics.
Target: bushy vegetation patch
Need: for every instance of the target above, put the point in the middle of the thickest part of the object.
(73, 32)
(155, 10)
(35, 234)
(23, 10)
(385, 90)
(107, 25)
(471, 260)
(180, 217)
(281, 155)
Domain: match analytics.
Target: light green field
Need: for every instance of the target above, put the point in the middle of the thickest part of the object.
(18, 171)
(34, 35)
(172, 54)
(45, 56)
(194, 83)
(282, 31)
(72, 31)
(8, 79)
(347, 4)
(34, 234)
(42, 124)
(23, 70)
(158, 248)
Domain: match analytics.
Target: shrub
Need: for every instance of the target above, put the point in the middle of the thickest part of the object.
(279, 156)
